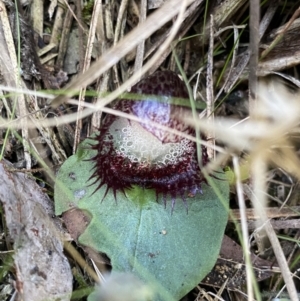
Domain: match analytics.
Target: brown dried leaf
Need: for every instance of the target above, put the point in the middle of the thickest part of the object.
(43, 272)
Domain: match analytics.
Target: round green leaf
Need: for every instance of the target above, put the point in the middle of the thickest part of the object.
(172, 251)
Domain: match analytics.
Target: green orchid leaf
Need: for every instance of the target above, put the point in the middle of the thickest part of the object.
(172, 251)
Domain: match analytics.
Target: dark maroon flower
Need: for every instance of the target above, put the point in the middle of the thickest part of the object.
(131, 153)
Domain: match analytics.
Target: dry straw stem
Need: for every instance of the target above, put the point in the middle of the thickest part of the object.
(58, 26)
(231, 71)
(68, 118)
(291, 255)
(286, 273)
(265, 138)
(190, 17)
(112, 56)
(37, 16)
(141, 47)
(130, 41)
(252, 84)
(81, 261)
(234, 74)
(102, 85)
(246, 247)
(10, 70)
(210, 90)
(272, 212)
(64, 39)
(101, 104)
(275, 116)
(259, 200)
(254, 48)
(119, 33)
(86, 65)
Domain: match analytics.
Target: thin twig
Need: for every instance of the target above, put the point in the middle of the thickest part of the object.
(284, 268)
(210, 90)
(141, 47)
(271, 212)
(86, 65)
(295, 248)
(82, 262)
(119, 35)
(239, 189)
(254, 41)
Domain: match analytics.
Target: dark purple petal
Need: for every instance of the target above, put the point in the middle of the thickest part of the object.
(131, 153)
